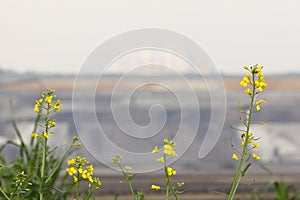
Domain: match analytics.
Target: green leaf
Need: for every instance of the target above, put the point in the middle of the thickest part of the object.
(267, 170)
(56, 189)
(245, 169)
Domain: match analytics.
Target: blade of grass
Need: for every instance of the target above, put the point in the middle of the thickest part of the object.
(23, 146)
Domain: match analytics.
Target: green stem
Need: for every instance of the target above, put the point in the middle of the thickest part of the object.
(168, 182)
(131, 189)
(237, 177)
(43, 168)
(89, 195)
(44, 154)
(4, 194)
(77, 187)
(127, 178)
(167, 192)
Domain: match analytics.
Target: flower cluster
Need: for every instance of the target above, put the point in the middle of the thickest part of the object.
(128, 176)
(255, 83)
(125, 170)
(44, 106)
(171, 171)
(250, 140)
(117, 159)
(168, 152)
(47, 97)
(21, 183)
(257, 80)
(80, 170)
(255, 156)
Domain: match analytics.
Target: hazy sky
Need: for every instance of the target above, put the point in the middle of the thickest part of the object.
(58, 35)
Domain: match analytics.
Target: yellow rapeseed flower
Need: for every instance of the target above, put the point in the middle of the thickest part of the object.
(155, 150)
(243, 142)
(37, 105)
(75, 179)
(262, 85)
(243, 83)
(36, 108)
(46, 135)
(258, 108)
(52, 123)
(255, 145)
(171, 171)
(84, 173)
(90, 169)
(258, 69)
(161, 159)
(80, 170)
(245, 80)
(91, 179)
(71, 162)
(255, 156)
(35, 135)
(248, 91)
(260, 101)
(48, 99)
(155, 187)
(57, 105)
(235, 157)
(71, 171)
(168, 149)
(261, 76)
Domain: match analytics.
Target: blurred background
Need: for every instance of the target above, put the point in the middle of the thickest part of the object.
(44, 44)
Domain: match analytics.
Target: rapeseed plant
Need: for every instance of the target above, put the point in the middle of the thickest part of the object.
(80, 170)
(128, 176)
(168, 153)
(44, 107)
(38, 166)
(254, 83)
(20, 186)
